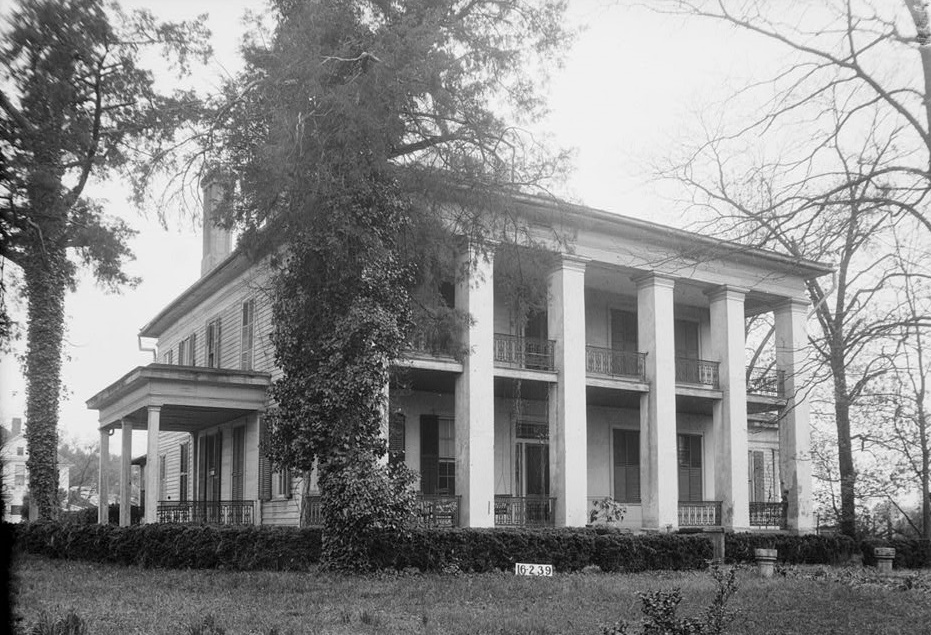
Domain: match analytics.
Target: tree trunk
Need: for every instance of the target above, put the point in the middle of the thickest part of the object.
(45, 277)
(848, 475)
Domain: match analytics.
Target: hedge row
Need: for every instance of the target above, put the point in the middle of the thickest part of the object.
(88, 516)
(807, 549)
(292, 548)
(910, 553)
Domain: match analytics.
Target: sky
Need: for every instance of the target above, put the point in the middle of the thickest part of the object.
(629, 89)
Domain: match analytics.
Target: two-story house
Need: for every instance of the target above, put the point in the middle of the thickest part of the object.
(633, 384)
(13, 455)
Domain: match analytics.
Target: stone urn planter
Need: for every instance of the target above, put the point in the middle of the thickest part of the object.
(765, 559)
(884, 558)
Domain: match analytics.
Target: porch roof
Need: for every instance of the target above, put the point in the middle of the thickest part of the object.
(190, 397)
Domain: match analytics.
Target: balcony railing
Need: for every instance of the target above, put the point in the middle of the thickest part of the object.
(696, 371)
(699, 513)
(770, 383)
(524, 511)
(607, 361)
(239, 512)
(523, 352)
(769, 515)
(431, 511)
(433, 340)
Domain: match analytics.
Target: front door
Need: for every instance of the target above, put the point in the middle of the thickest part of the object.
(533, 480)
(212, 453)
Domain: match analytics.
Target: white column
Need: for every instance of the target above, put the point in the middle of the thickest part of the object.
(567, 416)
(659, 483)
(475, 396)
(126, 474)
(794, 432)
(152, 466)
(103, 484)
(730, 413)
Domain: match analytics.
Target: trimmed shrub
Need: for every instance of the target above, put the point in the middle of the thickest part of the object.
(807, 549)
(292, 548)
(910, 553)
(88, 515)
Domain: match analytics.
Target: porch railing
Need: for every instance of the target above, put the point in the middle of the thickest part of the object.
(433, 340)
(431, 511)
(524, 511)
(232, 512)
(607, 361)
(439, 511)
(769, 515)
(523, 352)
(699, 513)
(769, 383)
(697, 371)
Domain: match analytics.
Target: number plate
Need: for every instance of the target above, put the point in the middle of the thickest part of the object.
(533, 569)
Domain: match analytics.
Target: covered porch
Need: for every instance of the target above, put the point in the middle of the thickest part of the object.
(163, 398)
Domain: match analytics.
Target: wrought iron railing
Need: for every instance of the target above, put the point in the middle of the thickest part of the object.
(769, 515)
(696, 371)
(311, 511)
(769, 383)
(699, 513)
(523, 352)
(238, 512)
(431, 511)
(524, 511)
(433, 340)
(607, 361)
(439, 511)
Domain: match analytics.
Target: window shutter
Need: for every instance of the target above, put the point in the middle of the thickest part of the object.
(627, 466)
(192, 356)
(265, 466)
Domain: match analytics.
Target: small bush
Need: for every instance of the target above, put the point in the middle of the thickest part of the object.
(70, 624)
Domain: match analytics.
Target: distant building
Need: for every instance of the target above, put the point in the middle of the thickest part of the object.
(15, 475)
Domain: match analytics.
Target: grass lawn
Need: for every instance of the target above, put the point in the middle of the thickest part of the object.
(115, 599)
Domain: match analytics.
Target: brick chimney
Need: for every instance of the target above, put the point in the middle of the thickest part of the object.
(17, 426)
(217, 240)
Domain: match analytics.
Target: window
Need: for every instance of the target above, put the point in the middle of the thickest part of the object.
(186, 351)
(686, 334)
(20, 451)
(248, 330)
(283, 484)
(396, 438)
(437, 455)
(624, 331)
(689, 452)
(162, 476)
(627, 466)
(19, 476)
(183, 471)
(170, 356)
(212, 352)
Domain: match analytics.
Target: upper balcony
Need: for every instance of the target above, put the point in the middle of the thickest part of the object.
(697, 372)
(524, 353)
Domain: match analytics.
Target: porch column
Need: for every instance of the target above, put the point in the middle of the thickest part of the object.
(730, 413)
(152, 466)
(126, 467)
(659, 486)
(794, 433)
(103, 485)
(475, 394)
(567, 403)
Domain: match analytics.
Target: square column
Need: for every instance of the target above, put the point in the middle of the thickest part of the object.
(152, 467)
(794, 426)
(659, 485)
(475, 394)
(730, 413)
(567, 403)
(103, 484)
(126, 474)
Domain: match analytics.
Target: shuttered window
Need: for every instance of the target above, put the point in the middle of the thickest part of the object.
(183, 471)
(247, 333)
(757, 476)
(690, 476)
(627, 466)
(686, 334)
(212, 346)
(624, 331)
(437, 455)
(397, 424)
(265, 466)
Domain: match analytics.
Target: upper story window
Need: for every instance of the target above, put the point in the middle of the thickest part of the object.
(623, 330)
(212, 352)
(20, 451)
(19, 476)
(170, 356)
(186, 351)
(248, 332)
(686, 339)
